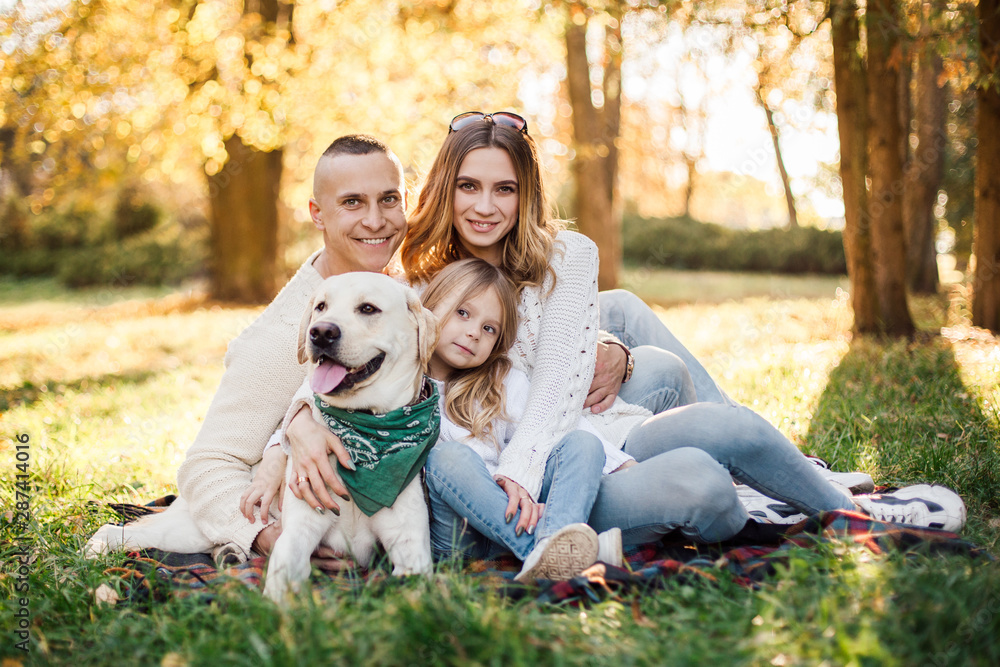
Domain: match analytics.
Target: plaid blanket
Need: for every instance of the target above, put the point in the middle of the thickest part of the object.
(153, 575)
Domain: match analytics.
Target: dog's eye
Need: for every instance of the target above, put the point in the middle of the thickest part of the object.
(368, 309)
(320, 307)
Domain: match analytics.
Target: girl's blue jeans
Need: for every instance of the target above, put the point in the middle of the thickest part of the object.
(467, 505)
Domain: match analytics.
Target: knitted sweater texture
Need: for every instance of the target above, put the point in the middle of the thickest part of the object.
(556, 347)
(516, 389)
(262, 375)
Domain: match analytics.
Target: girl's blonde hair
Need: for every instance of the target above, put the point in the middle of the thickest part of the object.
(474, 397)
(431, 242)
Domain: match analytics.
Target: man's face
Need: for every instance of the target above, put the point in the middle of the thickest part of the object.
(358, 203)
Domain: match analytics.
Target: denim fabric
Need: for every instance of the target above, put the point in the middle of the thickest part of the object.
(753, 451)
(686, 454)
(684, 489)
(663, 383)
(467, 505)
(629, 318)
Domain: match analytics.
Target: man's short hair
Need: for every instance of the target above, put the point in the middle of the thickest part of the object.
(356, 144)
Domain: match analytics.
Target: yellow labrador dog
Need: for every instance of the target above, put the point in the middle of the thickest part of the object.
(367, 341)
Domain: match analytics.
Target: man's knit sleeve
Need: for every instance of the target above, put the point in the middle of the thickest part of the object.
(262, 374)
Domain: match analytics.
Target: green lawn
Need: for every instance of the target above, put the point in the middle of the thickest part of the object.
(111, 388)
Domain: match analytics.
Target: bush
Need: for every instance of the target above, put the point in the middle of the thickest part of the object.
(133, 215)
(165, 255)
(684, 243)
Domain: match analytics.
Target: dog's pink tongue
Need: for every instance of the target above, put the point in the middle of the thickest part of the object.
(327, 376)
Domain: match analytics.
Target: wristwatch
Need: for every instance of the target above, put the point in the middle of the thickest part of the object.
(629, 361)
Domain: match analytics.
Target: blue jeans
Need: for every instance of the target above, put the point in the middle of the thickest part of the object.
(629, 318)
(467, 505)
(687, 458)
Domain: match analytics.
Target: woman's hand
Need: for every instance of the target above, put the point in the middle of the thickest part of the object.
(312, 443)
(266, 484)
(519, 498)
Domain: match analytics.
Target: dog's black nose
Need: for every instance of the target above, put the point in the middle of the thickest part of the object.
(324, 333)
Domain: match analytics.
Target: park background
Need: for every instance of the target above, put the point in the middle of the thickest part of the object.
(155, 169)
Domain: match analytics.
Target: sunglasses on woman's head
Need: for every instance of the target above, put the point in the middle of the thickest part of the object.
(505, 118)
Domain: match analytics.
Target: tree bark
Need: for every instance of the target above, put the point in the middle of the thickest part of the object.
(986, 246)
(923, 176)
(244, 224)
(852, 122)
(885, 205)
(595, 164)
(244, 238)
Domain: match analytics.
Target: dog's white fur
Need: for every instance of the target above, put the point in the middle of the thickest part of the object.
(406, 333)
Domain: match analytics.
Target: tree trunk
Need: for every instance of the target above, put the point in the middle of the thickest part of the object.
(692, 171)
(593, 170)
(923, 176)
(244, 219)
(986, 279)
(852, 121)
(885, 205)
(244, 237)
(793, 220)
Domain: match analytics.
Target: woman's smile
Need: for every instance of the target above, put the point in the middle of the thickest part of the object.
(486, 202)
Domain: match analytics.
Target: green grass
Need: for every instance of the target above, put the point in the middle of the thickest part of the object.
(112, 393)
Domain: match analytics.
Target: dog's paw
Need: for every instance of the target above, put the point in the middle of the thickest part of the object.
(101, 542)
(280, 589)
(421, 567)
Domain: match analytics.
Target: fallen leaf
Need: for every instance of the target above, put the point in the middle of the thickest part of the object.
(106, 595)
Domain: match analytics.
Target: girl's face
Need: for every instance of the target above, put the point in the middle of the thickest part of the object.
(469, 332)
(486, 201)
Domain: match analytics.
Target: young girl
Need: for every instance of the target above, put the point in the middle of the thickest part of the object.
(482, 400)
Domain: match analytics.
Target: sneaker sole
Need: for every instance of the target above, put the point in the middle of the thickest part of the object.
(571, 550)
(928, 494)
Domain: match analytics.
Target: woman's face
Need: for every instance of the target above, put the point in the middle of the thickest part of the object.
(486, 200)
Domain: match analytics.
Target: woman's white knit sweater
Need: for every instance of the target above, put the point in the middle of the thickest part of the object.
(261, 377)
(556, 347)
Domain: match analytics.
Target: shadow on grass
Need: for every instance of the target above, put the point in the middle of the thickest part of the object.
(29, 392)
(900, 411)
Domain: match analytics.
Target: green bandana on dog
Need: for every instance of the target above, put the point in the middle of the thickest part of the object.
(388, 450)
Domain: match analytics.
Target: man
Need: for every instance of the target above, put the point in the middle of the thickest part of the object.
(359, 205)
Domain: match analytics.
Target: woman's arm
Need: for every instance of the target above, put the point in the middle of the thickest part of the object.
(563, 352)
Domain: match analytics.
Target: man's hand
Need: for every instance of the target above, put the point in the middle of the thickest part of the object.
(324, 557)
(268, 483)
(264, 542)
(312, 443)
(608, 374)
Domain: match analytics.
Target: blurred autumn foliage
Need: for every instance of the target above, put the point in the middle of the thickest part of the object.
(154, 138)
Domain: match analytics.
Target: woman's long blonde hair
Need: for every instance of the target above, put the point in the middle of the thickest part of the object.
(431, 242)
(474, 397)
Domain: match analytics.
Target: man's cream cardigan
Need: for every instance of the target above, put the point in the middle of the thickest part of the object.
(260, 379)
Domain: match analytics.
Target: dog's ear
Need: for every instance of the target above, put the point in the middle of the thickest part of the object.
(427, 328)
(304, 330)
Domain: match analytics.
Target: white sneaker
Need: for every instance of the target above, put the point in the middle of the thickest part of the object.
(562, 556)
(857, 482)
(609, 546)
(763, 509)
(925, 505)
